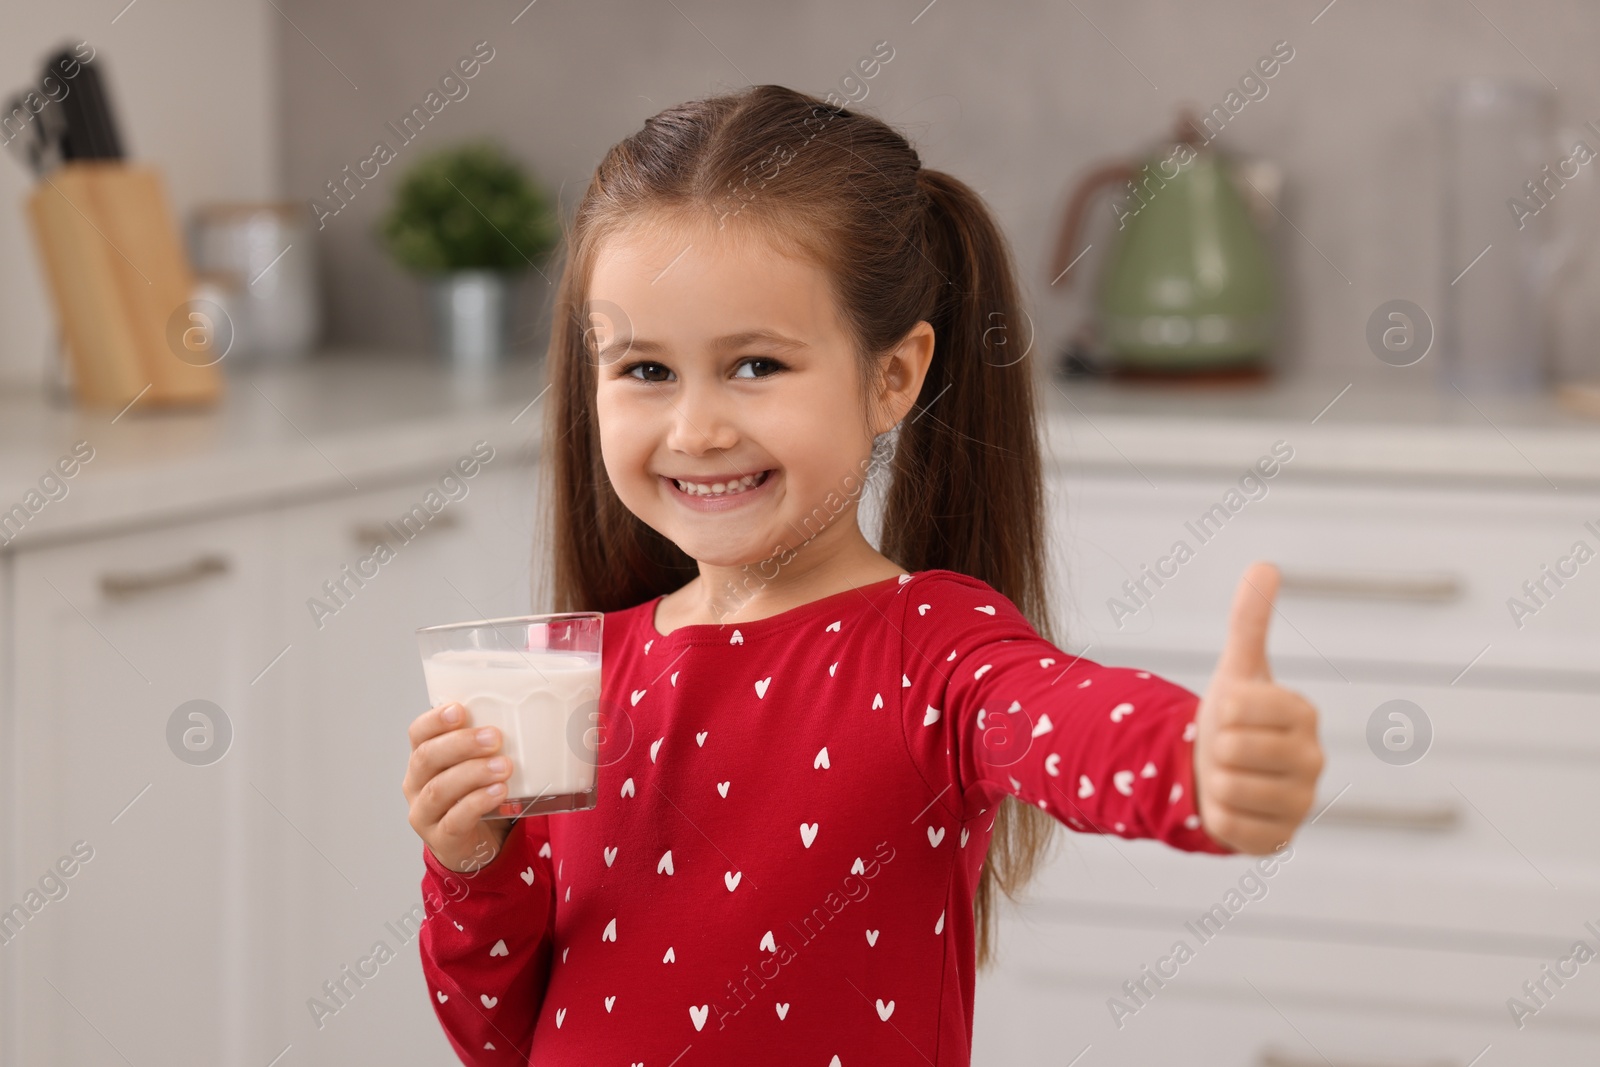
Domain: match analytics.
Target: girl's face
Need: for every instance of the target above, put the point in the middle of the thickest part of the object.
(722, 361)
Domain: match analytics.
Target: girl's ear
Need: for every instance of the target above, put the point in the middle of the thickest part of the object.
(901, 373)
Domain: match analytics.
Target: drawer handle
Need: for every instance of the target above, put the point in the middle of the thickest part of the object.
(1438, 818)
(1274, 1058)
(1428, 588)
(126, 585)
(368, 534)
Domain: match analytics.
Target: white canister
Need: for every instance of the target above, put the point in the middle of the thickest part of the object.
(268, 250)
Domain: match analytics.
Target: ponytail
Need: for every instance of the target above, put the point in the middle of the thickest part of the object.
(975, 455)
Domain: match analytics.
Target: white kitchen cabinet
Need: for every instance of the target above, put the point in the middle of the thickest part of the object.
(220, 898)
(1424, 895)
(347, 692)
(160, 949)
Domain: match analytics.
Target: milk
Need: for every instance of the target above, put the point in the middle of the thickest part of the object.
(543, 703)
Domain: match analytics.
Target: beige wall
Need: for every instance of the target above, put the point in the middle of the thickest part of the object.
(194, 93)
(1016, 96)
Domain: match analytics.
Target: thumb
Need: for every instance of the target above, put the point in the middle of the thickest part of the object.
(1244, 653)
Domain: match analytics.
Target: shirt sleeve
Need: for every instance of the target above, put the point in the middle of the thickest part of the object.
(992, 708)
(486, 946)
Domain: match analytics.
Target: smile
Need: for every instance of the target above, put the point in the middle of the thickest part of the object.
(719, 494)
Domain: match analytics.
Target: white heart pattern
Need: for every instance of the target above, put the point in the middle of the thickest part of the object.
(833, 626)
(981, 671)
(930, 716)
(736, 639)
(488, 1001)
(1123, 780)
(872, 937)
(922, 609)
(761, 687)
(700, 738)
(1149, 771)
(1085, 787)
(627, 788)
(821, 762)
(987, 609)
(611, 854)
(527, 875)
(561, 1013)
(934, 838)
(637, 693)
(1177, 791)
(808, 833)
(938, 927)
(655, 746)
(768, 942)
(500, 948)
(877, 701)
(885, 1010)
(722, 787)
(674, 677)
(963, 837)
(664, 865)
(858, 867)
(544, 850)
(698, 1014)
(610, 932)
(1121, 711)
(1188, 731)
(1043, 726)
(670, 957)
(833, 667)
(783, 1010)
(1052, 765)
(1046, 662)
(731, 878)
(610, 1001)
(442, 996)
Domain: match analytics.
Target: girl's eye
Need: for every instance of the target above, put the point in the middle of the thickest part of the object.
(627, 372)
(771, 363)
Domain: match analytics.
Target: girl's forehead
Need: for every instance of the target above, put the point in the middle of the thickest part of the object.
(687, 279)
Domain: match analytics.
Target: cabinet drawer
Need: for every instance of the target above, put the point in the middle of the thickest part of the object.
(1488, 833)
(1238, 1002)
(1370, 574)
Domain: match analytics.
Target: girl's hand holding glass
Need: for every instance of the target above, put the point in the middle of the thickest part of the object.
(454, 778)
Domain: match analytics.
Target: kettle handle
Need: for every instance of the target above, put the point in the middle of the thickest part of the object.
(1078, 207)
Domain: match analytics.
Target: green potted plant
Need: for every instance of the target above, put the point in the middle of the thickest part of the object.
(470, 219)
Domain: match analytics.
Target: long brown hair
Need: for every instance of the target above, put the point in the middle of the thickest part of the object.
(900, 244)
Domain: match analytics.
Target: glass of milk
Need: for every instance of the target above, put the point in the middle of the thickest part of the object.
(537, 679)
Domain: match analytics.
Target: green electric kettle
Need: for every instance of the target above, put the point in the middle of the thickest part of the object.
(1187, 285)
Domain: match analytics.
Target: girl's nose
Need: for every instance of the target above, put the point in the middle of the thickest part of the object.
(701, 421)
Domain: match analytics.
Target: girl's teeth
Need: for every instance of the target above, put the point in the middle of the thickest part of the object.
(719, 488)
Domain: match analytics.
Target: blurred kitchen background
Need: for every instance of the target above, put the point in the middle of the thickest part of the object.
(1370, 244)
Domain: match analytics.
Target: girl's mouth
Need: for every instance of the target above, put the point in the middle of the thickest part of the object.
(716, 496)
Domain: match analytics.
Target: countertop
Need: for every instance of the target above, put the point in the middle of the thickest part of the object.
(344, 421)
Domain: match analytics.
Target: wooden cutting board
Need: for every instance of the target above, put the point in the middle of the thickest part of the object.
(121, 284)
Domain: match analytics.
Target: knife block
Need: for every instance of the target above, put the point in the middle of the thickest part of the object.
(121, 284)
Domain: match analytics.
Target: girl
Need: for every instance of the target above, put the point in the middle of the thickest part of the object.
(811, 746)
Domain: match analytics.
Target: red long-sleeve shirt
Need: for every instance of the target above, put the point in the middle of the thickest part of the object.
(791, 819)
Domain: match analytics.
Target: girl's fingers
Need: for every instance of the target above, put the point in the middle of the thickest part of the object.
(1264, 751)
(1264, 796)
(461, 821)
(436, 720)
(441, 793)
(439, 752)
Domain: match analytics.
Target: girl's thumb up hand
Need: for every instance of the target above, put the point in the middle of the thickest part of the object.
(456, 775)
(1256, 755)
